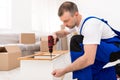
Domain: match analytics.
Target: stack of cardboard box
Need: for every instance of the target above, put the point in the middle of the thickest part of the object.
(44, 44)
(64, 41)
(27, 38)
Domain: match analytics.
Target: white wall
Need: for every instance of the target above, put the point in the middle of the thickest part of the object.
(34, 16)
(44, 16)
(21, 15)
(108, 9)
(38, 15)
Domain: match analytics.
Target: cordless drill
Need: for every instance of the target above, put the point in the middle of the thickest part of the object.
(51, 44)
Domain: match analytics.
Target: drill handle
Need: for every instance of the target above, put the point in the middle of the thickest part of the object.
(57, 39)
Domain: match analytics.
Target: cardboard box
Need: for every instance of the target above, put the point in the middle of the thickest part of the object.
(8, 57)
(64, 43)
(27, 38)
(44, 44)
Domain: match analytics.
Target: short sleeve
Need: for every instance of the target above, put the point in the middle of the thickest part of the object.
(92, 31)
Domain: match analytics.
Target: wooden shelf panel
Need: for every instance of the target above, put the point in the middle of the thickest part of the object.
(43, 55)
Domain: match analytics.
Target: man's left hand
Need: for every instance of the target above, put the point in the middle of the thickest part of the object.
(58, 72)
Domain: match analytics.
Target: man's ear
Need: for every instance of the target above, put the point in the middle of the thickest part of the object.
(76, 13)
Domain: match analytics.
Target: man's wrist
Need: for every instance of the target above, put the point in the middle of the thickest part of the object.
(54, 35)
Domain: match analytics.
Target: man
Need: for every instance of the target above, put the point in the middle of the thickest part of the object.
(94, 34)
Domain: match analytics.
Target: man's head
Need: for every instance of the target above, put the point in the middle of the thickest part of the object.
(68, 13)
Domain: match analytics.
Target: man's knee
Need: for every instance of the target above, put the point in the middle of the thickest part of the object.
(114, 56)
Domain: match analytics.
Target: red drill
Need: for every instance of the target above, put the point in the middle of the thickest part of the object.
(51, 44)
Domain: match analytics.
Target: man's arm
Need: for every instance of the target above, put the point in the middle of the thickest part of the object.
(80, 63)
(60, 34)
(85, 60)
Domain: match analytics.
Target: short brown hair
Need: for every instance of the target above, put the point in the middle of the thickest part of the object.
(67, 6)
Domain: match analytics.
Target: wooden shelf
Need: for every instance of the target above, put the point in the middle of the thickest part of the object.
(43, 55)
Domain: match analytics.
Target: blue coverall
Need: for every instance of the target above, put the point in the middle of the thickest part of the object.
(103, 54)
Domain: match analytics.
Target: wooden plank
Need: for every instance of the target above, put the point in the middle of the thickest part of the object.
(55, 53)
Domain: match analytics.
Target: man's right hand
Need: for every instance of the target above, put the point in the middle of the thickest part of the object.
(55, 38)
(61, 33)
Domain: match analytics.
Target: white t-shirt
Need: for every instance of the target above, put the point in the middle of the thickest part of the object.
(94, 30)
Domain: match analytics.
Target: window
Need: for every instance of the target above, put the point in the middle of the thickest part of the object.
(44, 16)
(5, 14)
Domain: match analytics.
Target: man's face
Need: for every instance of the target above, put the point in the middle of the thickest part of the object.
(68, 20)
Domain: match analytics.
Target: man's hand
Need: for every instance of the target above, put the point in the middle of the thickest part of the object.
(58, 72)
(61, 33)
(55, 38)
